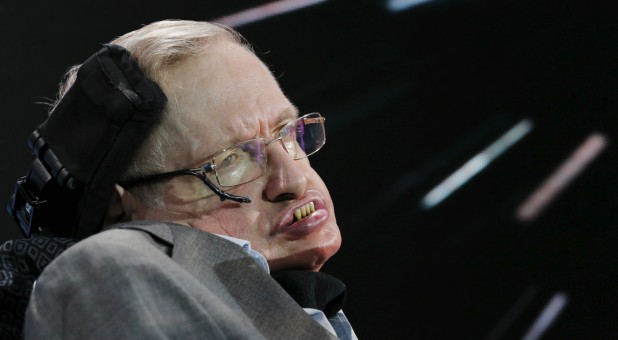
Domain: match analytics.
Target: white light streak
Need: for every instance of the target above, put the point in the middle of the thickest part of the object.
(565, 174)
(402, 5)
(547, 316)
(476, 164)
(264, 11)
(513, 313)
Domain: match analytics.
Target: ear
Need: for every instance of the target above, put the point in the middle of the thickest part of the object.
(119, 204)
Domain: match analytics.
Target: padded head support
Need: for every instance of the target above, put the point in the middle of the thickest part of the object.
(85, 145)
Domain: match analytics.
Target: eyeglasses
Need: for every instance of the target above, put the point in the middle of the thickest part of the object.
(246, 161)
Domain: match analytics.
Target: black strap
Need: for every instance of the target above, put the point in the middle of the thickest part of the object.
(313, 290)
(85, 145)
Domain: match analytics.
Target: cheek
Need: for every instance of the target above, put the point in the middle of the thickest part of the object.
(228, 218)
(185, 190)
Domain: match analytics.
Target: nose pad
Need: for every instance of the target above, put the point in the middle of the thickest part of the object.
(288, 144)
(286, 178)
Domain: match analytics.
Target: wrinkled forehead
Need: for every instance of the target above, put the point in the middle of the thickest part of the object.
(225, 96)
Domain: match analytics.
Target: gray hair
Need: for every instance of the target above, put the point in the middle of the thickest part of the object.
(158, 47)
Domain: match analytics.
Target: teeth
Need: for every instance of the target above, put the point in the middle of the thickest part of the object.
(303, 211)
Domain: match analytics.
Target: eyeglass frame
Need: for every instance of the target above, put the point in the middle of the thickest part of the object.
(201, 171)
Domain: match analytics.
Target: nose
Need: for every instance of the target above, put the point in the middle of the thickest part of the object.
(286, 177)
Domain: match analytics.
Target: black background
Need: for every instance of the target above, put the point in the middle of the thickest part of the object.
(409, 97)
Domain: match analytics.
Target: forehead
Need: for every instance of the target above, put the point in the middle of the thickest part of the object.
(223, 97)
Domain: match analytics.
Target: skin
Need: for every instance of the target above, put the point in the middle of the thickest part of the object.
(226, 97)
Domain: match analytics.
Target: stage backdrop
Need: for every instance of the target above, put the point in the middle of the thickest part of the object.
(471, 147)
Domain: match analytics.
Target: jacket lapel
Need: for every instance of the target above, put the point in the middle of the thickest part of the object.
(226, 268)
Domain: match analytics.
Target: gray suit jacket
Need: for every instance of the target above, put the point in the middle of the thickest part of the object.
(153, 280)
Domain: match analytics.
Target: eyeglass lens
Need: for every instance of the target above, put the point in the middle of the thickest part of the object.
(246, 161)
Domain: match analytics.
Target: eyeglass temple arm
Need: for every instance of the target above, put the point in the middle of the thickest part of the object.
(193, 172)
(222, 194)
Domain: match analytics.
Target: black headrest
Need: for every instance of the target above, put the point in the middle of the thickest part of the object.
(85, 145)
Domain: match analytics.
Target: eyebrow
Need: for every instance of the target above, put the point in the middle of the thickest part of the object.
(286, 115)
(283, 117)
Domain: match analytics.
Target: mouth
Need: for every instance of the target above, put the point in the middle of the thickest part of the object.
(304, 211)
(303, 220)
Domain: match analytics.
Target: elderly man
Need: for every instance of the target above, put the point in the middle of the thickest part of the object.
(217, 227)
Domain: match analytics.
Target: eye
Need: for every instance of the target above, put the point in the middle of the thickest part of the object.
(231, 159)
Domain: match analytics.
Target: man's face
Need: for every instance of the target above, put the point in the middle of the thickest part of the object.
(227, 97)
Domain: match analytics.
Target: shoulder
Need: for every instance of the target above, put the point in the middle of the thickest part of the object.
(99, 265)
(114, 241)
(107, 252)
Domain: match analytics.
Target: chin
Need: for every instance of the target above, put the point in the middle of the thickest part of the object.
(277, 266)
(311, 259)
